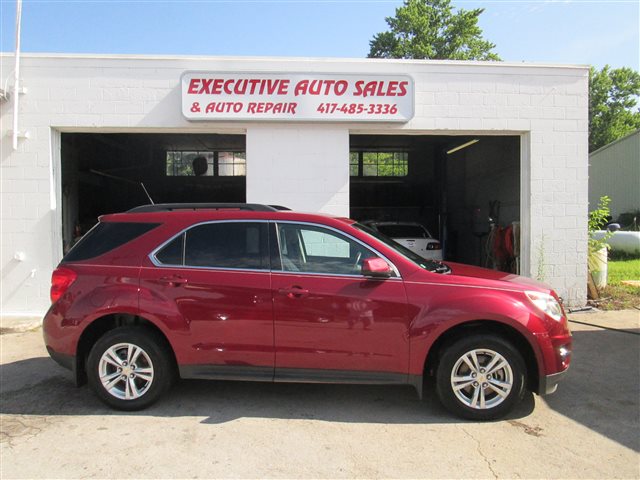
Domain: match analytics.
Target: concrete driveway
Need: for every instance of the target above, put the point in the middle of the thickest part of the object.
(590, 428)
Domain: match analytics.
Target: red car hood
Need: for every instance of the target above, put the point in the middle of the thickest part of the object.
(517, 281)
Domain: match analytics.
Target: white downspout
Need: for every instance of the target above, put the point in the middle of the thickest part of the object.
(16, 75)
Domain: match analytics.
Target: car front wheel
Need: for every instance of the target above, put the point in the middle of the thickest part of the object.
(129, 368)
(480, 377)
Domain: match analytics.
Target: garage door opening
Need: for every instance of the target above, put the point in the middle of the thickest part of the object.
(464, 190)
(107, 173)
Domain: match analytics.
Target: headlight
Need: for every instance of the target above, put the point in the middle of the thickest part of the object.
(546, 303)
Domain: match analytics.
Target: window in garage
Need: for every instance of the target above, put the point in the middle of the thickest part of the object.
(180, 164)
(378, 164)
(232, 164)
(226, 164)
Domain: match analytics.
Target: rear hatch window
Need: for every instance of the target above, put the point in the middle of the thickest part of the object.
(104, 237)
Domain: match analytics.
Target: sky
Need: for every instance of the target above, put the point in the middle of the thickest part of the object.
(544, 31)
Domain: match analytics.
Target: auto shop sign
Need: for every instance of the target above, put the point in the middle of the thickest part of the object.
(297, 96)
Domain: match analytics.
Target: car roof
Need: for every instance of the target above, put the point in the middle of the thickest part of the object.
(204, 215)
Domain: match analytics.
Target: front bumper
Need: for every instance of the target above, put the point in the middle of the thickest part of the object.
(556, 357)
(549, 383)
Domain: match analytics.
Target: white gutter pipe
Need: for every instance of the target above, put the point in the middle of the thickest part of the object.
(16, 75)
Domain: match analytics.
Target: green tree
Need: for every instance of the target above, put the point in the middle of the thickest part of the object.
(613, 94)
(430, 29)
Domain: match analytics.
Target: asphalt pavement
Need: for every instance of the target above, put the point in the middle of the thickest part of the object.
(590, 428)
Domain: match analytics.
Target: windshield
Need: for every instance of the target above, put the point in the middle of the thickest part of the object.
(430, 265)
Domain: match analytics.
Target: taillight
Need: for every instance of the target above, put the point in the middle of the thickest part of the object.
(61, 279)
(434, 246)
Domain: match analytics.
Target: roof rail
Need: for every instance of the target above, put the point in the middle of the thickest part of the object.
(168, 207)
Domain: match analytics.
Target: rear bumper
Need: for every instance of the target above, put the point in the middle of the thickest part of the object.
(62, 359)
(549, 383)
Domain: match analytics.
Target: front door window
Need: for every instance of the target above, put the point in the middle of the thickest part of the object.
(312, 249)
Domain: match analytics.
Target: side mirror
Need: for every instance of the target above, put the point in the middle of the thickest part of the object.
(376, 267)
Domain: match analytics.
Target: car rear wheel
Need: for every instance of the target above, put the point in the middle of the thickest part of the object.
(481, 377)
(129, 368)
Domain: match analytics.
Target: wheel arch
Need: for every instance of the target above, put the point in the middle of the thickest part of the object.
(509, 333)
(101, 325)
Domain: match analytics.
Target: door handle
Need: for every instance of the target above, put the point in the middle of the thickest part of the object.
(294, 292)
(173, 281)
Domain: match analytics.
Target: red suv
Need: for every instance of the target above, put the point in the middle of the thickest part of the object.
(249, 292)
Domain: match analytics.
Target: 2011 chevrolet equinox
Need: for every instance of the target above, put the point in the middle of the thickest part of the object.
(247, 292)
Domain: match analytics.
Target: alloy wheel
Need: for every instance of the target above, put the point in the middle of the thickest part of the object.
(125, 371)
(482, 379)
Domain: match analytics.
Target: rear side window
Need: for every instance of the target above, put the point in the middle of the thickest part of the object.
(173, 252)
(241, 245)
(105, 237)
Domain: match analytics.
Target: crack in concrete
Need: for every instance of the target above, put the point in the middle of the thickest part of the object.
(479, 450)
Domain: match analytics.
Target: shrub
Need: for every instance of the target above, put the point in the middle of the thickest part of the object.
(598, 218)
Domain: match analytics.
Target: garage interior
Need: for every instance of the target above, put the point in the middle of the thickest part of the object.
(464, 189)
(107, 173)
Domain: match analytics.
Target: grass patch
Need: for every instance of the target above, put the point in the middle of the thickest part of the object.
(617, 296)
(620, 270)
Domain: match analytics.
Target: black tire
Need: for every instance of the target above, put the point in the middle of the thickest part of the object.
(484, 347)
(154, 357)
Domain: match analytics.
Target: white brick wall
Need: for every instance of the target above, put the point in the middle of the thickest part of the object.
(545, 104)
(304, 167)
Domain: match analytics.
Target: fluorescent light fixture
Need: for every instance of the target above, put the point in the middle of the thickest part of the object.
(464, 145)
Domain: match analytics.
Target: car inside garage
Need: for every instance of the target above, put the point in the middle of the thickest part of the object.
(464, 189)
